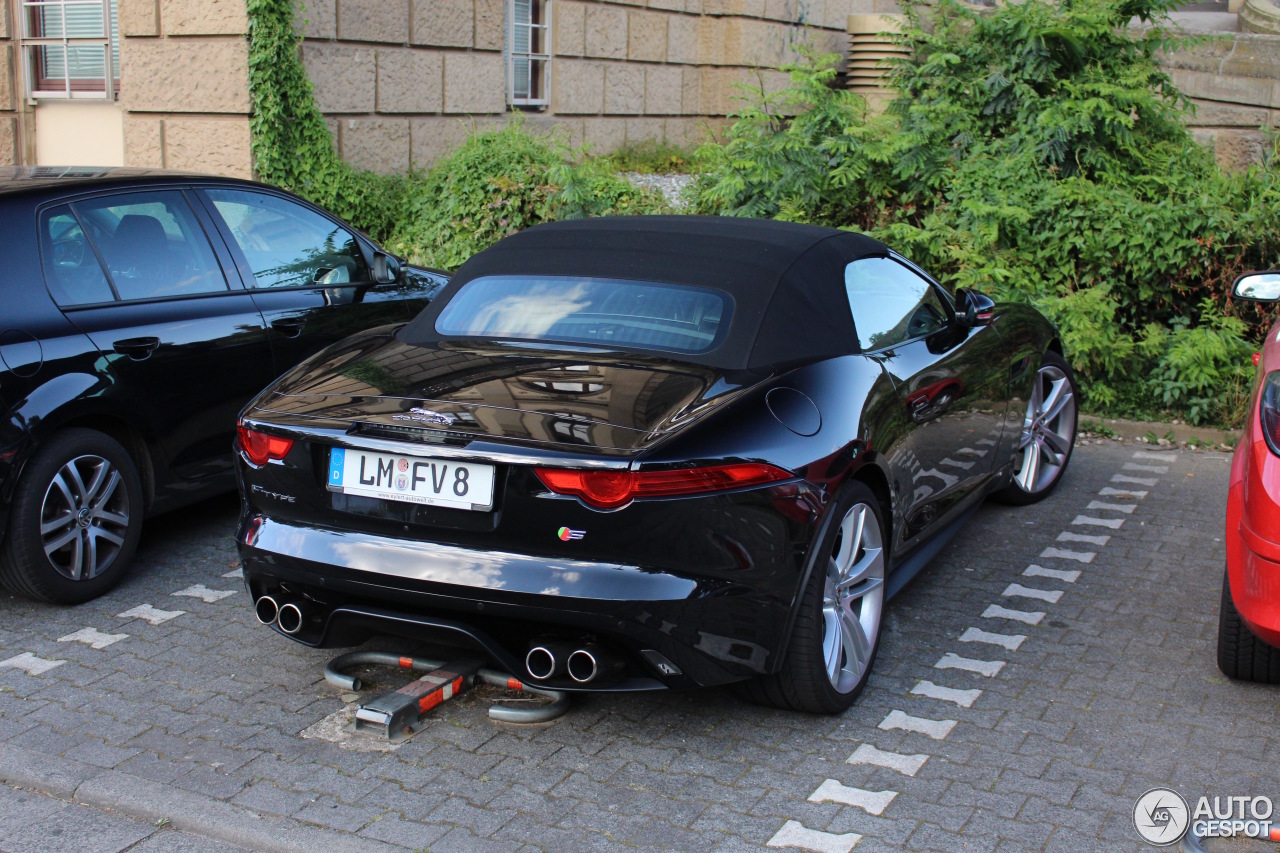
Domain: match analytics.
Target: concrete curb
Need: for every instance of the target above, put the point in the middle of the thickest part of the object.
(188, 811)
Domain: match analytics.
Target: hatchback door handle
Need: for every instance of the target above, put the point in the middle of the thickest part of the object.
(290, 326)
(136, 348)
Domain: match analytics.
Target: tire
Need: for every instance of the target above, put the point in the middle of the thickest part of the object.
(75, 519)
(1045, 446)
(1241, 655)
(836, 634)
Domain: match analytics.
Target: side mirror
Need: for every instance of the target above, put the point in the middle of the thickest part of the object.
(974, 308)
(386, 268)
(1258, 286)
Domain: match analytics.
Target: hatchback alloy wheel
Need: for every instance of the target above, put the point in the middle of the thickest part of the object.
(84, 518)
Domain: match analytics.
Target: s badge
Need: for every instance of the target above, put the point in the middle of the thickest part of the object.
(566, 534)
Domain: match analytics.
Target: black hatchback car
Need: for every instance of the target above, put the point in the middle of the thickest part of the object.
(142, 309)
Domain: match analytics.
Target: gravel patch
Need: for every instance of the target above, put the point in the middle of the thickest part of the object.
(671, 186)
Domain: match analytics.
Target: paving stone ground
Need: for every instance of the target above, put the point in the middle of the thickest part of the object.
(200, 718)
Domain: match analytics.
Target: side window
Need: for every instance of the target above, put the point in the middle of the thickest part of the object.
(286, 244)
(152, 245)
(891, 303)
(71, 269)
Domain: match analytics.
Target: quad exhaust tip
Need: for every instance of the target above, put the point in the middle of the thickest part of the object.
(542, 663)
(584, 665)
(289, 618)
(266, 610)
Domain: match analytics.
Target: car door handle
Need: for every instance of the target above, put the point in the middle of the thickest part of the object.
(136, 348)
(289, 326)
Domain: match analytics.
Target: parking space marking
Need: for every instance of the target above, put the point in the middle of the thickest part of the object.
(202, 592)
(1017, 590)
(1065, 554)
(1108, 492)
(234, 573)
(1137, 481)
(936, 729)
(93, 638)
(951, 660)
(1091, 521)
(871, 802)
(1154, 469)
(1006, 641)
(154, 615)
(963, 698)
(796, 834)
(1127, 509)
(1034, 571)
(30, 664)
(1066, 536)
(907, 765)
(1166, 456)
(1030, 617)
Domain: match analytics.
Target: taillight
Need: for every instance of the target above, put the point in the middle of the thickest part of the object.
(1269, 404)
(612, 489)
(261, 448)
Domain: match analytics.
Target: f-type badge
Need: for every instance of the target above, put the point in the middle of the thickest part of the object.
(566, 534)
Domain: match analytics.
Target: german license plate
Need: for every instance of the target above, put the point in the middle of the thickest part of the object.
(411, 479)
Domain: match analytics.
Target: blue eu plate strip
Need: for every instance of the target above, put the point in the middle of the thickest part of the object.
(337, 458)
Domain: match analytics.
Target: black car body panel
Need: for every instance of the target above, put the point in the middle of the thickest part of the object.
(166, 376)
(708, 583)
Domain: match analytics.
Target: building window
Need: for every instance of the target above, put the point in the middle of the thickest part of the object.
(67, 47)
(528, 52)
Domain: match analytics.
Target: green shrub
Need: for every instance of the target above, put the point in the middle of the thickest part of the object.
(1037, 152)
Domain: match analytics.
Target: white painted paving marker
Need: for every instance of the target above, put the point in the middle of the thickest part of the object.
(1137, 481)
(1108, 492)
(871, 802)
(1030, 617)
(1064, 554)
(796, 834)
(1154, 469)
(1067, 536)
(30, 664)
(963, 698)
(93, 637)
(1020, 591)
(951, 660)
(1034, 571)
(1089, 520)
(936, 729)
(151, 614)
(1125, 508)
(1006, 641)
(907, 765)
(234, 573)
(202, 592)
(1147, 454)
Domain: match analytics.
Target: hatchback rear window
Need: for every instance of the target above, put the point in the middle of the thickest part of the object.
(606, 312)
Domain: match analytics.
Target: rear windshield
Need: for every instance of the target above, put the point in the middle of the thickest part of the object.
(607, 312)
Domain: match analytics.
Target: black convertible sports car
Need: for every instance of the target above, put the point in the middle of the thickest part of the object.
(647, 452)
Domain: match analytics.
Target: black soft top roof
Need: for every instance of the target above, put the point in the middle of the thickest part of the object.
(786, 280)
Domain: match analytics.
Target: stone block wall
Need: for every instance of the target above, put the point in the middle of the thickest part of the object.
(10, 89)
(1234, 81)
(184, 85)
(402, 82)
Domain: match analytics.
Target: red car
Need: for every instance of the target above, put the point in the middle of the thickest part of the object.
(1249, 628)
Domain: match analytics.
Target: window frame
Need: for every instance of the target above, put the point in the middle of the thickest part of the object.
(536, 97)
(943, 296)
(249, 280)
(33, 44)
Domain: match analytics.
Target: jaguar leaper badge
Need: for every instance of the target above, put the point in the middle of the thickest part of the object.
(427, 416)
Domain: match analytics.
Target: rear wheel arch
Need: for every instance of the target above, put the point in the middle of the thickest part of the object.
(129, 436)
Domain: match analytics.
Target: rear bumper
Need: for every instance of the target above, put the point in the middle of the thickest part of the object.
(358, 584)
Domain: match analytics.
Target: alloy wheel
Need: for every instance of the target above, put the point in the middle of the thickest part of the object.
(1048, 430)
(84, 518)
(853, 599)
